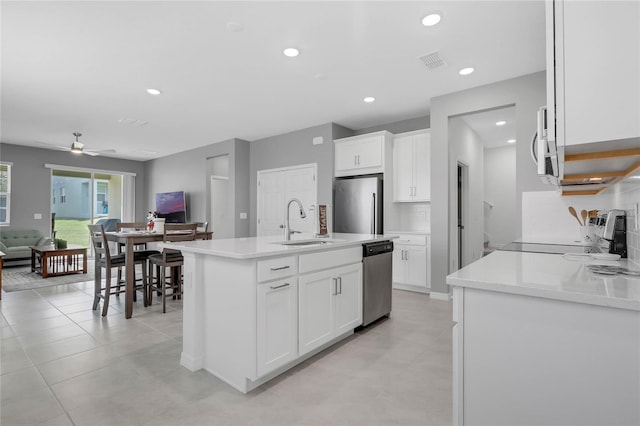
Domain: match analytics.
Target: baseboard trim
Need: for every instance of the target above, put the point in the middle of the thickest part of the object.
(440, 296)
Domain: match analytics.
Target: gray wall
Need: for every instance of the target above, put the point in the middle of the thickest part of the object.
(500, 190)
(527, 93)
(291, 149)
(189, 171)
(31, 181)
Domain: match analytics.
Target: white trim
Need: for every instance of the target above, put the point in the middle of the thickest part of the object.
(297, 166)
(439, 296)
(87, 169)
(6, 163)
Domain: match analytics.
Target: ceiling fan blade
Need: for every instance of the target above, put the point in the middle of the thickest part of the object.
(91, 153)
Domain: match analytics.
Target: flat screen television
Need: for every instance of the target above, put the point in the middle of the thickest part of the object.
(171, 206)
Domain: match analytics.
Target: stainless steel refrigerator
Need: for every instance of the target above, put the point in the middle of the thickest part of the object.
(357, 205)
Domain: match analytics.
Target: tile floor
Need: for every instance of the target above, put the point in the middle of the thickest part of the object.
(63, 364)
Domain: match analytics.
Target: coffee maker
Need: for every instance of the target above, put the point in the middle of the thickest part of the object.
(615, 232)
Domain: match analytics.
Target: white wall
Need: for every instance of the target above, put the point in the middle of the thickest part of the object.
(467, 147)
(527, 94)
(500, 191)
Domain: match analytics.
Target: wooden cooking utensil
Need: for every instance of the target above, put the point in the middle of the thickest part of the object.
(573, 213)
(584, 214)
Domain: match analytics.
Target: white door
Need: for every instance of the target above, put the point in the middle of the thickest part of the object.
(270, 205)
(315, 308)
(275, 188)
(398, 264)
(221, 220)
(277, 314)
(300, 183)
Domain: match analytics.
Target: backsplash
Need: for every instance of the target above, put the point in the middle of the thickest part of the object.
(414, 217)
(545, 217)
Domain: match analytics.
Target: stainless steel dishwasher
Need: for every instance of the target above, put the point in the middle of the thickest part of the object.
(376, 280)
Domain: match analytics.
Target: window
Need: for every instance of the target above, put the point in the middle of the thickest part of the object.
(63, 196)
(5, 193)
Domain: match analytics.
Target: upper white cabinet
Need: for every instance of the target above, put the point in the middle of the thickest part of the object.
(593, 70)
(411, 166)
(363, 154)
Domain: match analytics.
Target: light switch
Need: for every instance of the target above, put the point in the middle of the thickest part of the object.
(37, 216)
(243, 215)
(318, 140)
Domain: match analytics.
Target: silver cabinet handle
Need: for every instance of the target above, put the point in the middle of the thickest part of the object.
(335, 286)
(406, 255)
(279, 286)
(280, 268)
(340, 283)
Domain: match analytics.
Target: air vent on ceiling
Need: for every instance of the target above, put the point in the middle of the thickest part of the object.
(433, 60)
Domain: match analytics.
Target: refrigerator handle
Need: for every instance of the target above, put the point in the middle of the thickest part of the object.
(373, 214)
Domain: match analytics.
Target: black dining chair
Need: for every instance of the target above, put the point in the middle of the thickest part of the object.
(104, 259)
(140, 249)
(169, 285)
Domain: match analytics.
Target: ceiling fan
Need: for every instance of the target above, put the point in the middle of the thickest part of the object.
(77, 147)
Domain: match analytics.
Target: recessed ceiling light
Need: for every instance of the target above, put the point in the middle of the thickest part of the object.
(153, 91)
(369, 99)
(431, 19)
(234, 26)
(500, 123)
(511, 141)
(291, 52)
(466, 71)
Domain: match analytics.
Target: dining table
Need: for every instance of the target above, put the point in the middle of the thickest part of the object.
(130, 239)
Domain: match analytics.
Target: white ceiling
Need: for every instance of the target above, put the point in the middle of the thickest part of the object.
(84, 66)
(492, 135)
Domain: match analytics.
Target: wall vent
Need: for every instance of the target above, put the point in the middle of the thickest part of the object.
(433, 60)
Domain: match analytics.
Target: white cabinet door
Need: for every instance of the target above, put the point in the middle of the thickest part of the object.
(316, 305)
(348, 300)
(398, 265)
(597, 102)
(277, 324)
(416, 265)
(411, 168)
(422, 167)
(359, 155)
(403, 154)
(330, 304)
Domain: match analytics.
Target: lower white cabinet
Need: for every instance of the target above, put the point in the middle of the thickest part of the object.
(277, 320)
(410, 263)
(330, 304)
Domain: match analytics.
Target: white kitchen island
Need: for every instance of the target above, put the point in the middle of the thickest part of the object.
(541, 340)
(253, 307)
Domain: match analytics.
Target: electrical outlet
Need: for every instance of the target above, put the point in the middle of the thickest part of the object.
(636, 213)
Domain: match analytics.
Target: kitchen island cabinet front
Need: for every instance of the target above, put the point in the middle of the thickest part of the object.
(248, 319)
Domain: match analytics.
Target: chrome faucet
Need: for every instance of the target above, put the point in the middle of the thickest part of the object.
(287, 230)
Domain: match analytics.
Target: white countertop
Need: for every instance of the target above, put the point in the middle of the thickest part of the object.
(550, 276)
(257, 247)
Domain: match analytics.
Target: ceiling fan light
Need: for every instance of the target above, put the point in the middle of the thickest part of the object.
(76, 148)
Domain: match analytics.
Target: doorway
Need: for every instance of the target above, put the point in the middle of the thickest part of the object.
(463, 212)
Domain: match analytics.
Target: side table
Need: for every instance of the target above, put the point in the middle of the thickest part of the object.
(50, 261)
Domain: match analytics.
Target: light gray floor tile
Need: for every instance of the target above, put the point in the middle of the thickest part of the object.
(395, 372)
(61, 348)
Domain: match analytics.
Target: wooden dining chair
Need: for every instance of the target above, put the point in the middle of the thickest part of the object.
(104, 259)
(172, 260)
(140, 249)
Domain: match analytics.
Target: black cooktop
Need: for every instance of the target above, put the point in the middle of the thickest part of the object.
(549, 248)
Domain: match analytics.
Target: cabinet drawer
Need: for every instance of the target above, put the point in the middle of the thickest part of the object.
(329, 259)
(413, 240)
(278, 267)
